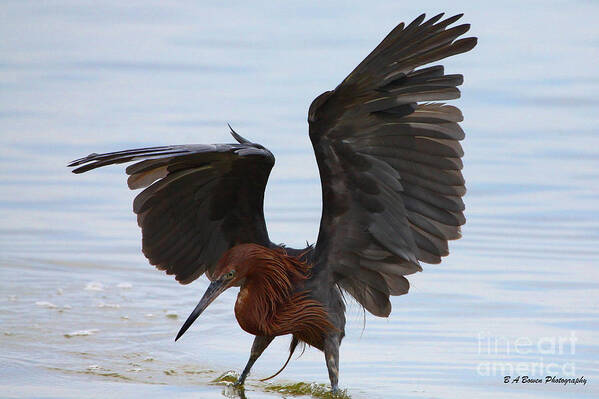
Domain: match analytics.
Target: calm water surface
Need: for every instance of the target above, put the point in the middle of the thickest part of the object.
(82, 314)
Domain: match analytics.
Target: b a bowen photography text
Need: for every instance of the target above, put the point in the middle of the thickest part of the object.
(548, 379)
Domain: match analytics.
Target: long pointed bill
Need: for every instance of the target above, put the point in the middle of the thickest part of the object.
(214, 289)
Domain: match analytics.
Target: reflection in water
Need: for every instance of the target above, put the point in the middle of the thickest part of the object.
(230, 391)
(83, 314)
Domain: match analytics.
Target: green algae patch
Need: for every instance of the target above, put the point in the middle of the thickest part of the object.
(314, 390)
(304, 389)
(228, 377)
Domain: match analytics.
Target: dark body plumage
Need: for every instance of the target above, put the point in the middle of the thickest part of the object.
(390, 166)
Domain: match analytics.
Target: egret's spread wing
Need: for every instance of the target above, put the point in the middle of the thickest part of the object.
(200, 201)
(390, 162)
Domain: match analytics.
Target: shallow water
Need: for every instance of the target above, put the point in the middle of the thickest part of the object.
(82, 314)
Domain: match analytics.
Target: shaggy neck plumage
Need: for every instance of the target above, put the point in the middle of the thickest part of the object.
(272, 300)
(273, 279)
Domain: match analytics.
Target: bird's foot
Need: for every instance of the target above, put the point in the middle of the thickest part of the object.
(240, 381)
(338, 393)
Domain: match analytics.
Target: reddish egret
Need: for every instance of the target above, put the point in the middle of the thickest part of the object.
(390, 165)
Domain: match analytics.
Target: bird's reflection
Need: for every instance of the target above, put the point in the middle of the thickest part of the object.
(234, 392)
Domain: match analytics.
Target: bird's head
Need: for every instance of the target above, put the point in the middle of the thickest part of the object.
(231, 270)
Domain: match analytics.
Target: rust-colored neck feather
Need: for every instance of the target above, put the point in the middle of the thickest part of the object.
(273, 277)
(272, 300)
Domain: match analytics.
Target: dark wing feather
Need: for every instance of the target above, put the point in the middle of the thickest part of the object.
(199, 201)
(390, 163)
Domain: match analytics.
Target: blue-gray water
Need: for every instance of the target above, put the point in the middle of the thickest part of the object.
(82, 314)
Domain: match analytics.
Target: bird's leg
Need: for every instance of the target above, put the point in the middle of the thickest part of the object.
(331, 354)
(260, 343)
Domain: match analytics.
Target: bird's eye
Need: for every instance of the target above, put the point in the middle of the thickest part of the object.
(230, 275)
